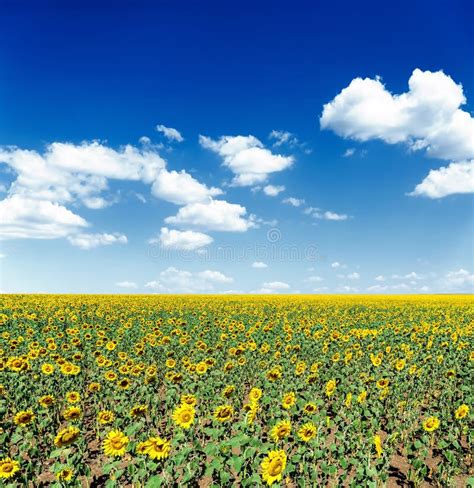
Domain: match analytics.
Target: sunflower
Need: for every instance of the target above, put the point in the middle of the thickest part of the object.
(310, 408)
(189, 399)
(183, 415)
(431, 424)
(8, 468)
(72, 413)
(382, 383)
(307, 432)
(24, 418)
(94, 387)
(73, 397)
(65, 474)
(330, 387)
(115, 443)
(46, 401)
(288, 400)
(255, 394)
(66, 437)
(280, 430)
(156, 448)
(124, 384)
(362, 396)
(462, 412)
(348, 400)
(400, 364)
(378, 445)
(105, 417)
(47, 368)
(223, 413)
(273, 466)
(138, 410)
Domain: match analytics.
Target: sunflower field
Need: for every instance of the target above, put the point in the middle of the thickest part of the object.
(294, 391)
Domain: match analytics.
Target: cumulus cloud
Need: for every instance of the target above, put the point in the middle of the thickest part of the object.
(459, 279)
(295, 202)
(126, 284)
(78, 174)
(90, 241)
(22, 218)
(217, 215)
(447, 180)
(259, 265)
(427, 117)
(170, 133)
(380, 278)
(247, 158)
(181, 240)
(181, 188)
(272, 190)
(173, 280)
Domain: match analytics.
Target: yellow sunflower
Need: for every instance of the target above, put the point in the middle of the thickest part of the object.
(73, 397)
(115, 443)
(66, 437)
(307, 432)
(72, 413)
(223, 413)
(273, 466)
(378, 445)
(105, 417)
(65, 474)
(288, 400)
(8, 468)
(46, 401)
(280, 430)
(330, 388)
(462, 412)
(183, 415)
(255, 394)
(24, 418)
(156, 448)
(431, 424)
(138, 410)
(189, 399)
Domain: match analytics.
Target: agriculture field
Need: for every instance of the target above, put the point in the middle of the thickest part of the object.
(235, 391)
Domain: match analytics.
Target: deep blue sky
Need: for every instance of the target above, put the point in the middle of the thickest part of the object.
(112, 71)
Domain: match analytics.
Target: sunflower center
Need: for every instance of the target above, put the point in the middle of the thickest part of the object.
(275, 467)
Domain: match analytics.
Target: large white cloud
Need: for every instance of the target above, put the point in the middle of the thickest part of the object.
(247, 158)
(216, 215)
(187, 240)
(23, 218)
(173, 280)
(426, 117)
(69, 174)
(181, 188)
(455, 178)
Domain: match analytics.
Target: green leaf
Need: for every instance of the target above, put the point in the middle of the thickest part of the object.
(154, 482)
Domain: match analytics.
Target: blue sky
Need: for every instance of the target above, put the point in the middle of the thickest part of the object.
(313, 147)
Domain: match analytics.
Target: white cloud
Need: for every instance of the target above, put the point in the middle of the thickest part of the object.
(426, 117)
(276, 285)
(181, 240)
(349, 152)
(216, 215)
(314, 279)
(346, 289)
(126, 284)
(181, 188)
(283, 137)
(408, 276)
(336, 265)
(3, 256)
(459, 279)
(259, 265)
(295, 202)
(273, 191)
(23, 218)
(173, 280)
(90, 241)
(449, 180)
(353, 276)
(247, 158)
(170, 133)
(319, 214)
(380, 278)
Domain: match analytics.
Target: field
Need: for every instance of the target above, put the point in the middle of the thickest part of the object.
(236, 391)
